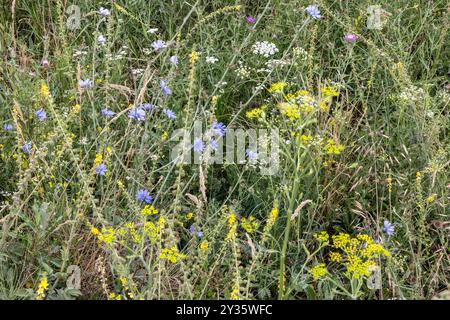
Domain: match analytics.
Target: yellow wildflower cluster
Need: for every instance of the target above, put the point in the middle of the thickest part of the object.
(204, 245)
(232, 227)
(171, 254)
(98, 159)
(329, 92)
(318, 271)
(113, 296)
(306, 139)
(193, 57)
(358, 253)
(254, 113)
(234, 293)
(154, 230)
(249, 224)
(43, 285)
(277, 87)
(332, 147)
(149, 210)
(271, 219)
(322, 237)
(107, 235)
(45, 92)
(290, 110)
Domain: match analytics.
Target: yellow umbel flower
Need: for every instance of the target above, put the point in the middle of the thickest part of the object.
(329, 92)
(322, 237)
(335, 257)
(277, 87)
(333, 148)
(149, 210)
(318, 271)
(171, 255)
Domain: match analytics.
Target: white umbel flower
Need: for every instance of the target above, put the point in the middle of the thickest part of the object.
(264, 48)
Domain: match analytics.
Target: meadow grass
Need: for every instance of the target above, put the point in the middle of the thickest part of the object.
(356, 210)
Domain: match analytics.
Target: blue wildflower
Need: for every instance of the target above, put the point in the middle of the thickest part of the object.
(165, 88)
(251, 154)
(85, 84)
(144, 196)
(8, 127)
(219, 128)
(213, 144)
(137, 114)
(103, 12)
(170, 114)
(147, 106)
(198, 145)
(313, 11)
(174, 60)
(101, 169)
(158, 44)
(101, 40)
(41, 115)
(107, 113)
(27, 148)
(388, 228)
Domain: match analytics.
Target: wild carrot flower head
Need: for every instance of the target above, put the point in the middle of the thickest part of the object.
(137, 114)
(313, 11)
(41, 115)
(144, 196)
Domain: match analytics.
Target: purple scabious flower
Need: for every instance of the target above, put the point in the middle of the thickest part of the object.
(174, 60)
(350, 38)
(251, 154)
(158, 44)
(85, 84)
(313, 11)
(27, 148)
(170, 114)
(41, 115)
(8, 127)
(108, 113)
(388, 228)
(250, 20)
(101, 169)
(198, 145)
(103, 12)
(219, 128)
(137, 114)
(144, 196)
(165, 88)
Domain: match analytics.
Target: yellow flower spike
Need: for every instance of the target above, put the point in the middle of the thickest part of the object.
(193, 57)
(45, 91)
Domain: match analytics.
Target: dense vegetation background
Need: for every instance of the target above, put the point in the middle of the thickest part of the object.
(87, 182)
